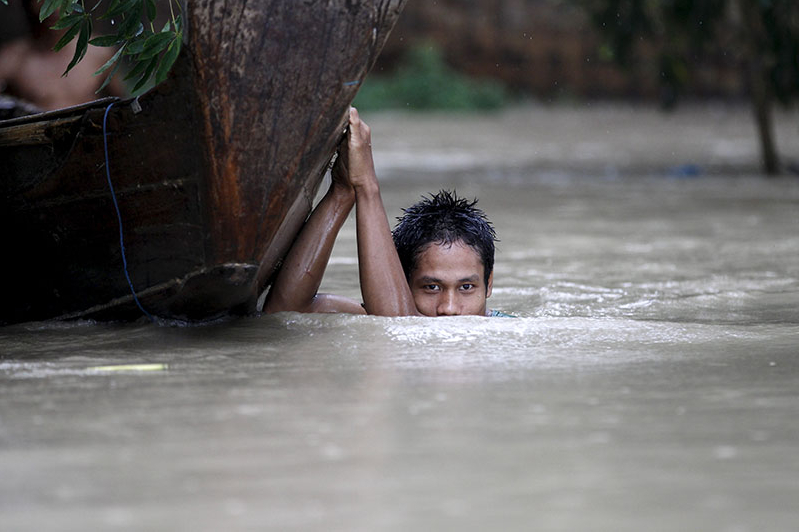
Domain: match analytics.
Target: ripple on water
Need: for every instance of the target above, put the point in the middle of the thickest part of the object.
(746, 297)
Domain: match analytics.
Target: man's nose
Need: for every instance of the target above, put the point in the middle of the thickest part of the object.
(448, 305)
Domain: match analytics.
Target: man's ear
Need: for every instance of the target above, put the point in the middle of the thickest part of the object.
(490, 284)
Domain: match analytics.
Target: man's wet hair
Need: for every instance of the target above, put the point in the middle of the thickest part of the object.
(443, 218)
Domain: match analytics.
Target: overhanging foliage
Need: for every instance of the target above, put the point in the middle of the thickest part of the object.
(151, 52)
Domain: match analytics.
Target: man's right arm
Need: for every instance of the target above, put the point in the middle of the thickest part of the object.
(295, 287)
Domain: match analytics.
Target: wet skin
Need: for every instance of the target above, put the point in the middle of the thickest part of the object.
(448, 281)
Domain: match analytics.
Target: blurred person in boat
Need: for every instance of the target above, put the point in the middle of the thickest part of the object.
(31, 71)
(438, 261)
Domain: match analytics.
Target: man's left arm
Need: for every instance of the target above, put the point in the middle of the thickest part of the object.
(383, 285)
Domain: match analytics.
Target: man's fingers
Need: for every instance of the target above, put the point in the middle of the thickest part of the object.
(355, 120)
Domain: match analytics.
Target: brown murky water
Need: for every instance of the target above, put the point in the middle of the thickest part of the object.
(651, 381)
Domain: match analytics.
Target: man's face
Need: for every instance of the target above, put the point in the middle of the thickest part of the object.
(448, 281)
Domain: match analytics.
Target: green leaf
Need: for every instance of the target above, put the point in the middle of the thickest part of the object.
(67, 21)
(151, 9)
(105, 40)
(66, 7)
(108, 79)
(147, 73)
(137, 70)
(114, 4)
(111, 61)
(47, 9)
(155, 44)
(132, 24)
(4, 1)
(169, 59)
(137, 31)
(68, 36)
(82, 46)
(136, 45)
(118, 8)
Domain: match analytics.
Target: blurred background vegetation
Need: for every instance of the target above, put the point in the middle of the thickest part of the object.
(423, 80)
(642, 50)
(656, 51)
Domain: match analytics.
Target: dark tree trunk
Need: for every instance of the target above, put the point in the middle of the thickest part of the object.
(757, 81)
(762, 104)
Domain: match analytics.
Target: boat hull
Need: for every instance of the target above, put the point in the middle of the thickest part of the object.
(214, 170)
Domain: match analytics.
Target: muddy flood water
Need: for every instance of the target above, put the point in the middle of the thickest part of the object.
(649, 382)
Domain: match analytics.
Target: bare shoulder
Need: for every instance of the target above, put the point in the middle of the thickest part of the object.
(335, 303)
(323, 303)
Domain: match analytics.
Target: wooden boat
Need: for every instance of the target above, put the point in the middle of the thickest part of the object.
(214, 170)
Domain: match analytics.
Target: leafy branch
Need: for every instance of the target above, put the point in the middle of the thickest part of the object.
(151, 52)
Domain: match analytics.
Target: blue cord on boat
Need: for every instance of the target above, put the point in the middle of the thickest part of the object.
(119, 216)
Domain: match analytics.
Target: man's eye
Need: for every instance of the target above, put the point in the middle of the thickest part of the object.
(432, 287)
(467, 286)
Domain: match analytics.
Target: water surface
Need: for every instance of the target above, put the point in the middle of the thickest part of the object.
(650, 382)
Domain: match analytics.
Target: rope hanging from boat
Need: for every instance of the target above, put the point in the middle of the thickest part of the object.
(119, 216)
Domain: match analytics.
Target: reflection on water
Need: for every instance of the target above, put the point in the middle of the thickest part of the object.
(650, 382)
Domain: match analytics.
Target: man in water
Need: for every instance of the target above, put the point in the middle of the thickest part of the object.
(438, 262)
